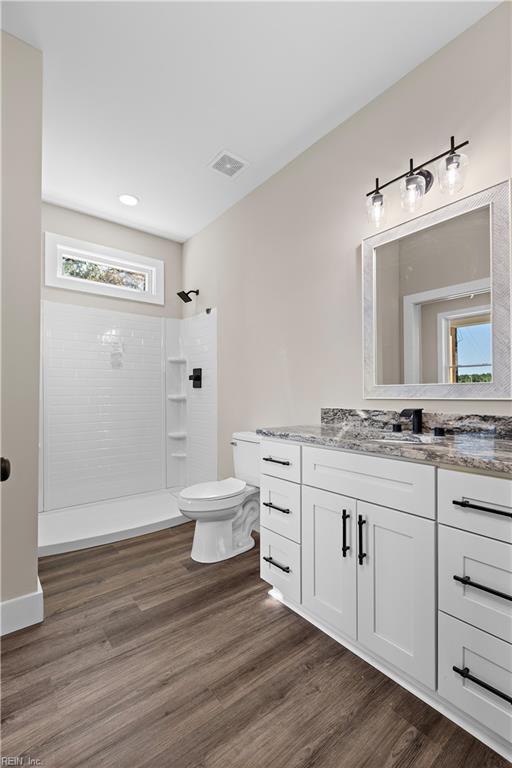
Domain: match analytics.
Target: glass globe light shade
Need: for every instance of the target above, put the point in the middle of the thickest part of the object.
(452, 172)
(376, 209)
(412, 190)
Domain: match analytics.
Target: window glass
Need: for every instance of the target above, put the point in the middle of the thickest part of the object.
(470, 349)
(109, 274)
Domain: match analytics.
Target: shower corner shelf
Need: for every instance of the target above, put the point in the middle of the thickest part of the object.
(176, 360)
(177, 435)
(177, 398)
(179, 455)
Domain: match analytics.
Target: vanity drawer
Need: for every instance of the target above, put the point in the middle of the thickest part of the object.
(283, 570)
(487, 563)
(494, 494)
(280, 460)
(280, 507)
(397, 484)
(487, 659)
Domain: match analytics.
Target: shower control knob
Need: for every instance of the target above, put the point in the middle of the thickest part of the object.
(196, 377)
(5, 472)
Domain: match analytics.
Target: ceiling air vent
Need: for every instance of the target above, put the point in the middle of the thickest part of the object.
(227, 164)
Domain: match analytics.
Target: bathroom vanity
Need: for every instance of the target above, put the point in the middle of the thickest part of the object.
(400, 548)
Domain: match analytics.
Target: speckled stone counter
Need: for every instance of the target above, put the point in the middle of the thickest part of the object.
(476, 451)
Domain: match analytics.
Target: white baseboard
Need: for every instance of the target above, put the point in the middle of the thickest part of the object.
(22, 611)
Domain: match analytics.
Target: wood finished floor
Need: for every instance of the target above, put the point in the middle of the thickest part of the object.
(149, 659)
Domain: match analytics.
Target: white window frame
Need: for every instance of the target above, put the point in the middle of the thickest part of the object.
(57, 247)
(412, 320)
(443, 336)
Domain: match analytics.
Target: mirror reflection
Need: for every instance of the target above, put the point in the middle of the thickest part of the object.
(433, 319)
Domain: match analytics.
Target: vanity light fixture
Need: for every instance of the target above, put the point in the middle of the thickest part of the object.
(375, 204)
(417, 181)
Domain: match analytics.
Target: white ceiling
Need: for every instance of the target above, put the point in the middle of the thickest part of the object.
(139, 97)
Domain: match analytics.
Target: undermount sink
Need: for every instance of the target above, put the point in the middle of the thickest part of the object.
(411, 439)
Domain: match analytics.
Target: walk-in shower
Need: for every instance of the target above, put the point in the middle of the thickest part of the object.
(123, 428)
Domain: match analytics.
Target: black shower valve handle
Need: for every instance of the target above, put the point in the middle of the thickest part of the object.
(196, 377)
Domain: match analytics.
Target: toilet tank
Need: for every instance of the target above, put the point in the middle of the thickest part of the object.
(246, 457)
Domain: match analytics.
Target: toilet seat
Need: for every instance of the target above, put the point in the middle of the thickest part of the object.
(214, 490)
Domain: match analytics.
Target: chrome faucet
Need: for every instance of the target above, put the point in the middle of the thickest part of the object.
(417, 421)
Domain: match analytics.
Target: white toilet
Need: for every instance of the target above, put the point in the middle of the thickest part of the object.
(226, 511)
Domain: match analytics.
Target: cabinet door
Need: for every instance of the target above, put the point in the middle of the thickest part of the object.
(396, 589)
(329, 559)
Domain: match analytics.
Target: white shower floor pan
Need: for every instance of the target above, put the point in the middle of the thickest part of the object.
(88, 525)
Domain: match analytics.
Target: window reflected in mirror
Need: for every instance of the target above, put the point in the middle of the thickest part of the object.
(469, 348)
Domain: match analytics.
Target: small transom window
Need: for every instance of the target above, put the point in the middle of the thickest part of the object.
(80, 266)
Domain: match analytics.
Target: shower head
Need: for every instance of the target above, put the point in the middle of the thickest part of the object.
(185, 295)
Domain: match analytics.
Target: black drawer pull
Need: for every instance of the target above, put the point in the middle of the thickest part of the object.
(360, 522)
(276, 461)
(466, 675)
(468, 505)
(273, 506)
(344, 549)
(270, 561)
(466, 580)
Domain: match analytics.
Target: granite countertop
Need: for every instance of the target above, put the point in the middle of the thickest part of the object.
(473, 451)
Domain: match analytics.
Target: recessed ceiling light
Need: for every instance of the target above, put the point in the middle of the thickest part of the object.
(128, 199)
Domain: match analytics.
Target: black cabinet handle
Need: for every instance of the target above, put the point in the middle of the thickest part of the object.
(360, 522)
(271, 561)
(468, 505)
(273, 506)
(276, 461)
(467, 676)
(344, 517)
(466, 580)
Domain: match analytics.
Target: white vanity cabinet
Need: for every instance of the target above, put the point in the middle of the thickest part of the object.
(408, 565)
(367, 571)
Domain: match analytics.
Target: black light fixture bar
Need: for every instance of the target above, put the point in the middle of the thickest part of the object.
(413, 169)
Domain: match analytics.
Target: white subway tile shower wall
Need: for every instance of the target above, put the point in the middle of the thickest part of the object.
(109, 427)
(103, 394)
(199, 348)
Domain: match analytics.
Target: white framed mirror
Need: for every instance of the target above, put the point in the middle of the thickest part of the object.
(436, 303)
